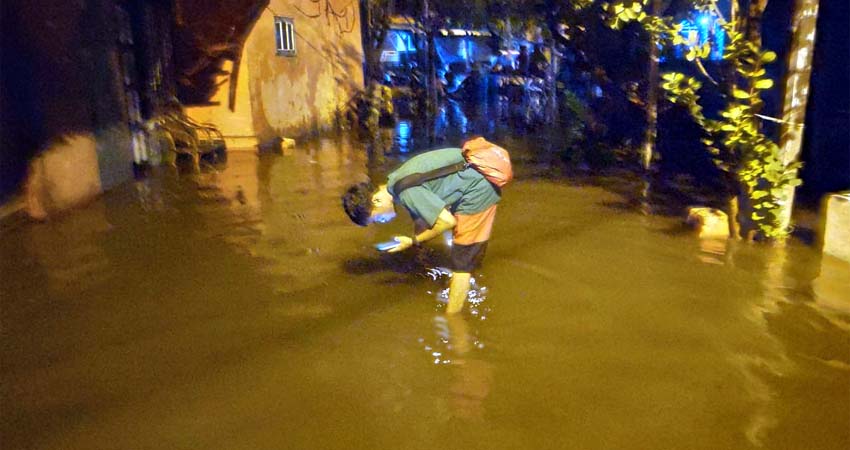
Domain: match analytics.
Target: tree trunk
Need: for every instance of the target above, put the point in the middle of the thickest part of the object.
(552, 84)
(734, 224)
(431, 70)
(651, 109)
(651, 132)
(553, 24)
(368, 54)
(752, 27)
(751, 20)
(804, 25)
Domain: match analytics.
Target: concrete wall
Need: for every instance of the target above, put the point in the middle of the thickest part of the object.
(295, 95)
(237, 125)
(836, 228)
(65, 175)
(74, 119)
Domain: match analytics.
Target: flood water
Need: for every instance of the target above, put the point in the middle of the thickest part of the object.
(238, 308)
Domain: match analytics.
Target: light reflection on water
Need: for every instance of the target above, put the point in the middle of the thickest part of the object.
(222, 308)
(457, 343)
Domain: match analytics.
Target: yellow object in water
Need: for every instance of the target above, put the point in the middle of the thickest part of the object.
(710, 222)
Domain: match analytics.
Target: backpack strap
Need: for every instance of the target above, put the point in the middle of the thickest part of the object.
(415, 179)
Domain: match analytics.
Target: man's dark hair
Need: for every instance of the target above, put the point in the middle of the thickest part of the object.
(357, 202)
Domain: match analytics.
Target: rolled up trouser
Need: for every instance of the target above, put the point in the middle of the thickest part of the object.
(469, 239)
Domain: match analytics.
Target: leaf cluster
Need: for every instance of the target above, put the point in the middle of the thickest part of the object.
(735, 139)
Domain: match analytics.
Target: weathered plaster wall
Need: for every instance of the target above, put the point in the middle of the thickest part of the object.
(292, 96)
(237, 126)
(63, 176)
(283, 96)
(207, 33)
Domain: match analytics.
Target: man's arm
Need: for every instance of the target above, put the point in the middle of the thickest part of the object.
(445, 221)
(459, 286)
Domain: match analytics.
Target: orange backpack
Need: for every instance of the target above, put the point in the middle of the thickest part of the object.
(492, 161)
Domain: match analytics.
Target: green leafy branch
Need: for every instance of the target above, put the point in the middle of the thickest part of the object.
(735, 140)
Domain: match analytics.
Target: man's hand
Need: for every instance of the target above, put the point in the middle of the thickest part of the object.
(404, 243)
(445, 221)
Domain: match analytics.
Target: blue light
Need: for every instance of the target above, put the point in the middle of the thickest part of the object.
(464, 53)
(399, 45)
(401, 41)
(720, 41)
(403, 136)
(704, 28)
(411, 47)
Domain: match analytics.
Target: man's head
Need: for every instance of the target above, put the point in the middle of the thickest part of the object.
(364, 203)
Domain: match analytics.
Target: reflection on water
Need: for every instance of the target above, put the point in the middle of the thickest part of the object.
(237, 307)
(472, 375)
(457, 344)
(829, 291)
(69, 254)
(803, 341)
(713, 251)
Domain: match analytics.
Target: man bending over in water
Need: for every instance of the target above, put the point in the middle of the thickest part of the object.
(463, 201)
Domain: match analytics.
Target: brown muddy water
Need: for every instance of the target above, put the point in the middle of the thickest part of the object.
(239, 308)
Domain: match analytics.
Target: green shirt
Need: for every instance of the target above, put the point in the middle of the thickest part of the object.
(464, 192)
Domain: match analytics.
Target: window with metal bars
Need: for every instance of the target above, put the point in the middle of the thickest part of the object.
(284, 34)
